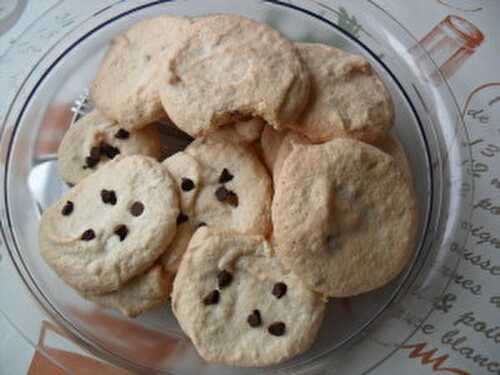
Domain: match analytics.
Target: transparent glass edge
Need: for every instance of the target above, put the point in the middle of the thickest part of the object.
(461, 129)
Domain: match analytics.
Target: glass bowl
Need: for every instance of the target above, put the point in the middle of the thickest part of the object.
(61, 52)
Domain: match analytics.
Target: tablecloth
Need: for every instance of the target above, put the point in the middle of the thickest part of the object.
(462, 336)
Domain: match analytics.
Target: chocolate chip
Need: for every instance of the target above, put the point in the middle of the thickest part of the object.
(108, 150)
(187, 184)
(122, 134)
(137, 209)
(254, 319)
(181, 218)
(212, 298)
(232, 199)
(121, 231)
(90, 162)
(108, 197)
(221, 194)
(225, 176)
(227, 196)
(224, 278)
(95, 153)
(279, 290)
(67, 209)
(236, 114)
(88, 235)
(277, 329)
(331, 242)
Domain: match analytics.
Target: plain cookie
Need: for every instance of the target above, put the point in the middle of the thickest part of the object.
(126, 86)
(142, 293)
(344, 222)
(391, 146)
(94, 140)
(270, 143)
(243, 131)
(276, 146)
(230, 67)
(112, 226)
(347, 97)
(238, 305)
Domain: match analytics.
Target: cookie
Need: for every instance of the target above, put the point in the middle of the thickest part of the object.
(237, 190)
(230, 67)
(244, 131)
(345, 222)
(112, 226)
(347, 97)
(229, 189)
(238, 305)
(187, 173)
(94, 140)
(126, 86)
(142, 293)
(270, 142)
(391, 146)
(276, 146)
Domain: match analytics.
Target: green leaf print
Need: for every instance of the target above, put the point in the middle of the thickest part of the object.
(348, 23)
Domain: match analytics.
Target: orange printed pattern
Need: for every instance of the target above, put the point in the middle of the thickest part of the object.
(426, 358)
(475, 91)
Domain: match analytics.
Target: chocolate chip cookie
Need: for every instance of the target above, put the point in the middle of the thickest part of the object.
(94, 140)
(345, 221)
(112, 226)
(237, 190)
(238, 305)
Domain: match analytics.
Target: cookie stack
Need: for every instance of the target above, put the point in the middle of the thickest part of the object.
(292, 191)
